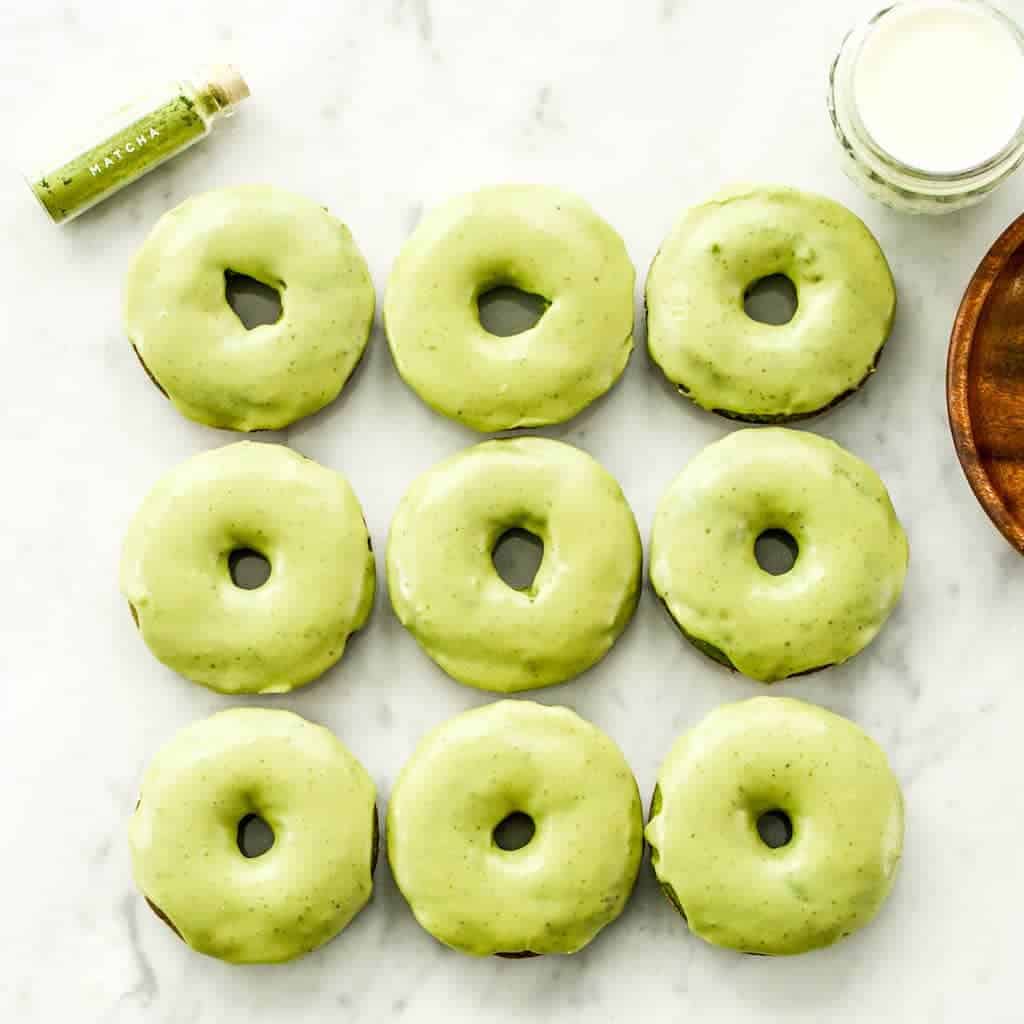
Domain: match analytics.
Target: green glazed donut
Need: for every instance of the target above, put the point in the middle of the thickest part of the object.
(446, 591)
(849, 570)
(303, 519)
(194, 346)
(845, 811)
(185, 835)
(573, 876)
(702, 338)
(540, 240)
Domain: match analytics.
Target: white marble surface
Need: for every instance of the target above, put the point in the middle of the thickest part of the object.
(379, 108)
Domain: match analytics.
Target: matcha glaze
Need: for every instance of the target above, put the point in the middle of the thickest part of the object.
(763, 756)
(643, 115)
(851, 560)
(303, 518)
(187, 859)
(701, 336)
(570, 880)
(196, 349)
(445, 589)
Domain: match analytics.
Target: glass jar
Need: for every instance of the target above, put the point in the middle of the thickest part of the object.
(898, 182)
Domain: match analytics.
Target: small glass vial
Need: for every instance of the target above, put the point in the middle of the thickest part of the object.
(133, 140)
(927, 101)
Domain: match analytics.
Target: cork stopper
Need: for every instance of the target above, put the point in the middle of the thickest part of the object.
(227, 84)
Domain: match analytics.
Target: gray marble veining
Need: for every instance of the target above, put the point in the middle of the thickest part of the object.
(379, 109)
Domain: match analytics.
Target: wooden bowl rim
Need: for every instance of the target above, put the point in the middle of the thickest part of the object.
(958, 406)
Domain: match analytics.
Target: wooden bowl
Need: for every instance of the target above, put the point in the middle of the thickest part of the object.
(985, 383)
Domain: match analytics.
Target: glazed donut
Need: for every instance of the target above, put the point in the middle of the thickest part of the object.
(543, 241)
(467, 777)
(303, 519)
(446, 591)
(197, 794)
(849, 570)
(196, 349)
(817, 773)
(701, 336)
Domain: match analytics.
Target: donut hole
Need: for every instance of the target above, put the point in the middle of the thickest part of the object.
(254, 836)
(249, 569)
(517, 556)
(771, 300)
(514, 831)
(776, 551)
(254, 303)
(506, 310)
(775, 828)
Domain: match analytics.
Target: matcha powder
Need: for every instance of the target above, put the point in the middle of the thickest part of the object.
(137, 139)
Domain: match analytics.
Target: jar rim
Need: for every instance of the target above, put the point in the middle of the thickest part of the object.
(849, 55)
